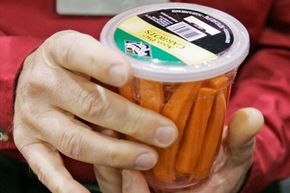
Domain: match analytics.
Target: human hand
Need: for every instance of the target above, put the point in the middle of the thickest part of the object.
(233, 161)
(54, 93)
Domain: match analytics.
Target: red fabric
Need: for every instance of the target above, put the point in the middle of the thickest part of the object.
(12, 52)
(263, 82)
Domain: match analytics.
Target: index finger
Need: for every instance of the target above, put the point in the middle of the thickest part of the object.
(82, 53)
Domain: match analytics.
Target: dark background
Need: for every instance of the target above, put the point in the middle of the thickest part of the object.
(16, 177)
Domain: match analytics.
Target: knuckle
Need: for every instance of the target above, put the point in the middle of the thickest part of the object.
(113, 157)
(35, 86)
(32, 80)
(52, 46)
(69, 40)
(35, 81)
(93, 104)
(245, 151)
(72, 143)
(59, 37)
(73, 48)
(63, 33)
(132, 126)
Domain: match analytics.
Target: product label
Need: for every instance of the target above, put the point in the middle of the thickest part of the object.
(173, 36)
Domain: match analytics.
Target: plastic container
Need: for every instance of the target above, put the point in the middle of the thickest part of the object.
(184, 58)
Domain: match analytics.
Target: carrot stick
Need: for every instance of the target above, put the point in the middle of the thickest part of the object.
(177, 109)
(228, 95)
(169, 89)
(195, 131)
(210, 145)
(128, 92)
(151, 95)
(220, 84)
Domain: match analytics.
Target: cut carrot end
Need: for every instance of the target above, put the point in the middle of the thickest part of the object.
(222, 84)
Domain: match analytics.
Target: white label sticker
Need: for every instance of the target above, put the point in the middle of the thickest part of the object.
(186, 31)
(99, 7)
(209, 29)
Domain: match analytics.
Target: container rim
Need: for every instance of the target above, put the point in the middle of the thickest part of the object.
(229, 60)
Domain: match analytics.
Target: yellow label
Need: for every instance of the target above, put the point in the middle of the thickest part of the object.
(169, 43)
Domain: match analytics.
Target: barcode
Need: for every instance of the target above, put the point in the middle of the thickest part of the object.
(186, 31)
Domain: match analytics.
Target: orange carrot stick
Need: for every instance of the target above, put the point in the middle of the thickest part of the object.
(151, 95)
(128, 92)
(210, 145)
(220, 84)
(177, 109)
(195, 132)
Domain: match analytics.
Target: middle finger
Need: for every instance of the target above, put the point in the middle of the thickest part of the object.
(102, 107)
(79, 142)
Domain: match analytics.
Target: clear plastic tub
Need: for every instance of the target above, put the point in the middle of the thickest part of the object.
(184, 58)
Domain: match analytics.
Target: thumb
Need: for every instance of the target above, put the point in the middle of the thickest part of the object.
(134, 181)
(243, 127)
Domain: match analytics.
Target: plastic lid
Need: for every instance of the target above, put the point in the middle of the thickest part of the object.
(178, 42)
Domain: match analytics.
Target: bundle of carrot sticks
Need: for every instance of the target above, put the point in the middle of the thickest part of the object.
(198, 110)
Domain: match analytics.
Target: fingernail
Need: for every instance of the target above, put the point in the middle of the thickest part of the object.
(126, 179)
(145, 161)
(118, 75)
(165, 136)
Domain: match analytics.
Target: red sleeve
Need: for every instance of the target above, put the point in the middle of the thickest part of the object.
(13, 50)
(264, 83)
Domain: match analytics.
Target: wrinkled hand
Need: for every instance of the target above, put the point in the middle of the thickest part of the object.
(54, 93)
(234, 159)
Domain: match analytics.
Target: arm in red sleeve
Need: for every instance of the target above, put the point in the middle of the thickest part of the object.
(13, 51)
(264, 83)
